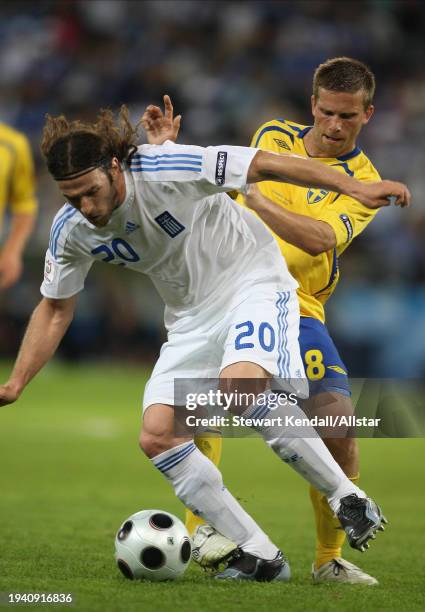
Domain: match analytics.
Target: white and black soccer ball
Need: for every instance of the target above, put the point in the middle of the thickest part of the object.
(152, 545)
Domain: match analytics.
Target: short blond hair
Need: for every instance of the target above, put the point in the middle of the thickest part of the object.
(345, 74)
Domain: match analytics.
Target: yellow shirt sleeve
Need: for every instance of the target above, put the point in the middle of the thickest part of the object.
(22, 196)
(348, 218)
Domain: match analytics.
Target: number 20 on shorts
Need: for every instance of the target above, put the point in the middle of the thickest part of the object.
(264, 335)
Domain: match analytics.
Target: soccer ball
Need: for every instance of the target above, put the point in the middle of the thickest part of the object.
(154, 545)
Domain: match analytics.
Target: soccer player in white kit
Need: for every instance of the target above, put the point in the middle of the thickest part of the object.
(162, 211)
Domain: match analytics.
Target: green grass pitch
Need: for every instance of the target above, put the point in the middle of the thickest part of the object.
(71, 471)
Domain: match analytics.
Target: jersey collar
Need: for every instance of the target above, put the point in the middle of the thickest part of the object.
(342, 158)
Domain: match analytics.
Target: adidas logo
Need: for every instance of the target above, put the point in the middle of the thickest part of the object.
(131, 227)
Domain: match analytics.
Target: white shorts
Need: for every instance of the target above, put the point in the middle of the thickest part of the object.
(262, 329)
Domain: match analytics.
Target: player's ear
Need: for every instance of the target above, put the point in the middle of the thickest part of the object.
(115, 166)
(368, 114)
(313, 104)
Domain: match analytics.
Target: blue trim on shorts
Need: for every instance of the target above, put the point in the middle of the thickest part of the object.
(282, 326)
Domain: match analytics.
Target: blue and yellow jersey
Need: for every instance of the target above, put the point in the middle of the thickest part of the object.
(317, 276)
(16, 173)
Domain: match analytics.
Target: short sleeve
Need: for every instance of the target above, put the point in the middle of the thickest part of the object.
(203, 171)
(22, 198)
(66, 265)
(348, 218)
(64, 277)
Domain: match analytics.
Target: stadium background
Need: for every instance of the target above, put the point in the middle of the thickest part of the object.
(228, 66)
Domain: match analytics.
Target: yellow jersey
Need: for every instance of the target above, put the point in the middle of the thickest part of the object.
(17, 185)
(317, 275)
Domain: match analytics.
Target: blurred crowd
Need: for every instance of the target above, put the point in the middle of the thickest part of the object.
(229, 66)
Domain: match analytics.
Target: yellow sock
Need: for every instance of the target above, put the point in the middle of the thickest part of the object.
(210, 445)
(329, 535)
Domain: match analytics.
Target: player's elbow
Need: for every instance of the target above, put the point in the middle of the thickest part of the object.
(317, 249)
(321, 242)
(316, 245)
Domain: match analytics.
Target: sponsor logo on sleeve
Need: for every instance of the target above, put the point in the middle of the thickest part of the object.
(169, 224)
(49, 270)
(220, 168)
(346, 221)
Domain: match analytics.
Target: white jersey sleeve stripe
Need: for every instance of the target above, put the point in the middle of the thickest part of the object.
(56, 221)
(58, 228)
(153, 163)
(166, 161)
(159, 168)
(138, 156)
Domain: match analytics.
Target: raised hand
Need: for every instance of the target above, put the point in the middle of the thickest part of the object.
(161, 126)
(384, 193)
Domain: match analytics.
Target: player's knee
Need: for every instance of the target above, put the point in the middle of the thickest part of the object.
(153, 444)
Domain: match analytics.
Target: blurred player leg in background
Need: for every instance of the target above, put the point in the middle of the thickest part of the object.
(330, 395)
(210, 444)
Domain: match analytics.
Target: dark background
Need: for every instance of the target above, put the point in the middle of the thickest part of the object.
(229, 66)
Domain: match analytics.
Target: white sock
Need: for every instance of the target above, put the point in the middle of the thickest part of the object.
(199, 485)
(304, 450)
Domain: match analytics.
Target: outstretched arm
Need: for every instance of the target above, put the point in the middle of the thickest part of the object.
(267, 166)
(298, 170)
(46, 328)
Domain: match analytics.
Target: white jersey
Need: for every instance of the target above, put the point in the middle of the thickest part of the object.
(176, 225)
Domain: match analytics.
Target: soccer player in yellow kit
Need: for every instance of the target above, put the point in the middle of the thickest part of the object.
(16, 193)
(313, 227)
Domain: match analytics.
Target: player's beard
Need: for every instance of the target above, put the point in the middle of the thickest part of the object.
(113, 204)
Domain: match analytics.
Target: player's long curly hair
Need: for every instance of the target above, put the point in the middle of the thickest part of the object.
(71, 148)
